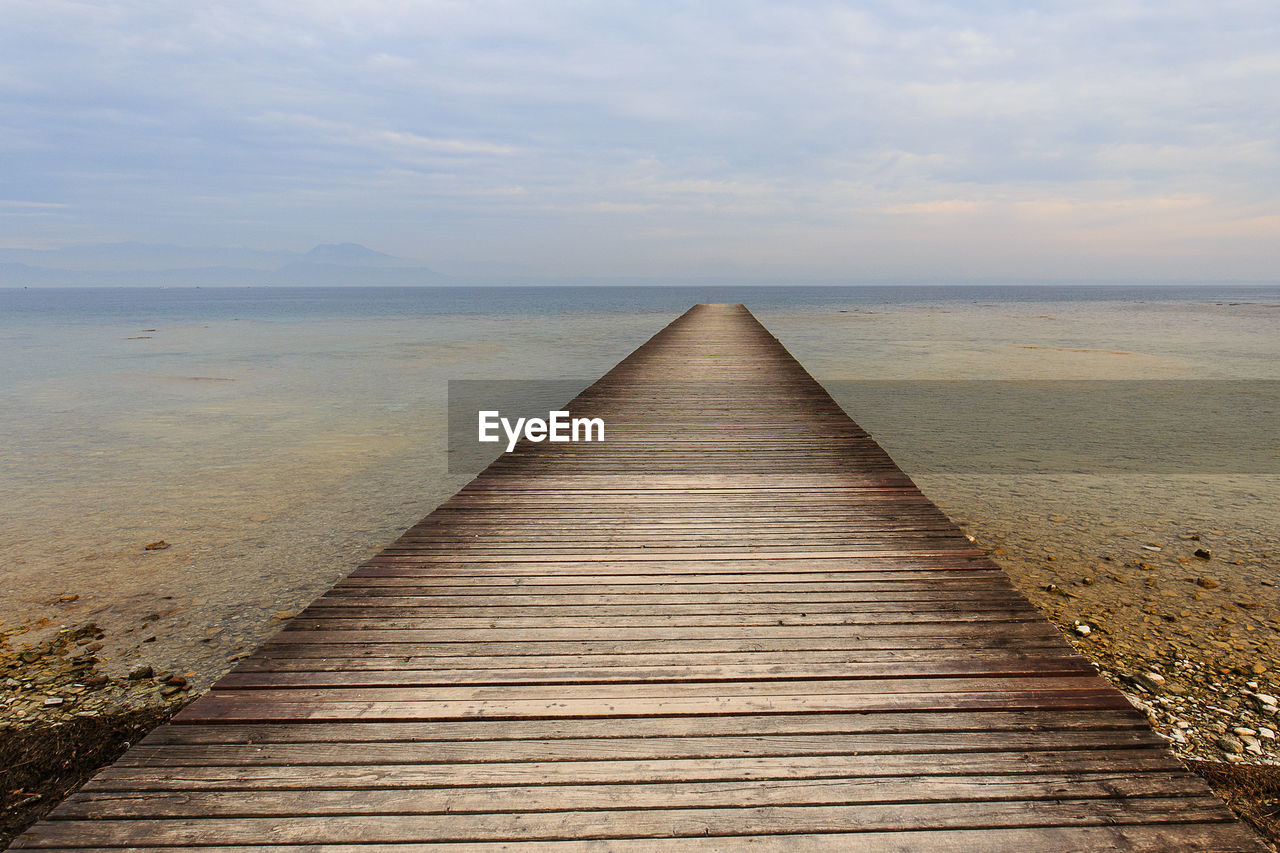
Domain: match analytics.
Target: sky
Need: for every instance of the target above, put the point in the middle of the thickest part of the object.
(682, 140)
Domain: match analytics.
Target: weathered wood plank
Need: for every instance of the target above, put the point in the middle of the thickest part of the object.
(635, 673)
(795, 660)
(692, 726)
(716, 690)
(371, 776)
(648, 748)
(1148, 838)
(945, 789)
(250, 708)
(369, 619)
(918, 628)
(652, 823)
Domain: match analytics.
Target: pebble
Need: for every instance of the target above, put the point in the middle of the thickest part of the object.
(1266, 733)
(1151, 681)
(1264, 701)
(141, 672)
(52, 701)
(1203, 553)
(1230, 745)
(1082, 629)
(1207, 583)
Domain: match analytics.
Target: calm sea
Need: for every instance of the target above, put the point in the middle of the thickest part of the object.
(107, 305)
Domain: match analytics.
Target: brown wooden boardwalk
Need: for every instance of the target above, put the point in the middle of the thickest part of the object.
(736, 624)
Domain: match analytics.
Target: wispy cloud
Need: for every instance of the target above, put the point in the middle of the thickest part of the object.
(812, 138)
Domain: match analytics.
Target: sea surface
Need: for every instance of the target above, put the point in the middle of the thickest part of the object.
(273, 438)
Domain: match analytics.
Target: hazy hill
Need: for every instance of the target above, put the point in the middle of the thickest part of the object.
(352, 255)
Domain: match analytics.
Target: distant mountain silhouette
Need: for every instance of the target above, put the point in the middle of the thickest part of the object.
(351, 255)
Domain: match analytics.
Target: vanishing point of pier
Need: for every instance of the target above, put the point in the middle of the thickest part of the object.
(734, 624)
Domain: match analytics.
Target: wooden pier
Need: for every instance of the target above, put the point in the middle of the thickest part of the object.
(735, 624)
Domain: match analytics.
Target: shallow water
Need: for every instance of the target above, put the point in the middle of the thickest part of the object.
(274, 439)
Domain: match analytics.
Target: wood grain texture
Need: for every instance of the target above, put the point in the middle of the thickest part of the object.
(734, 624)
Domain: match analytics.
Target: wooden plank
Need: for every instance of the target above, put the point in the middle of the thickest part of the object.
(1029, 787)
(375, 623)
(602, 823)
(696, 726)
(376, 776)
(903, 579)
(1139, 838)
(792, 659)
(474, 565)
(1045, 639)
(249, 707)
(685, 672)
(649, 748)
(442, 634)
(719, 690)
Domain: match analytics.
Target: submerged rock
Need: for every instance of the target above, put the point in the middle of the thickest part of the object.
(1264, 701)
(1230, 745)
(1152, 682)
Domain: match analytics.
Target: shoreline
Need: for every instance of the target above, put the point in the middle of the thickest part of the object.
(1192, 642)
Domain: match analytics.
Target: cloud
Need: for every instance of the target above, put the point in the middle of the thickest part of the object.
(400, 139)
(476, 130)
(943, 207)
(382, 141)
